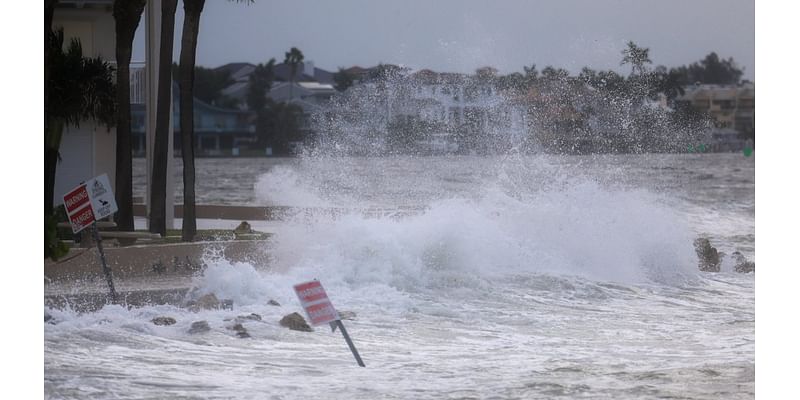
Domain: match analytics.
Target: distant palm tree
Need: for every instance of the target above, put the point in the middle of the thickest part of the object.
(293, 57)
(127, 14)
(636, 56)
(78, 88)
(158, 191)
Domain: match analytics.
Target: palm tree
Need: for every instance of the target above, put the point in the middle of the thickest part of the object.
(158, 192)
(191, 27)
(78, 88)
(293, 57)
(127, 14)
(636, 56)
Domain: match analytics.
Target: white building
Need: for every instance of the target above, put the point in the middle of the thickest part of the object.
(90, 150)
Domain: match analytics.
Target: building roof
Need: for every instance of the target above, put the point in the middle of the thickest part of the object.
(717, 92)
(283, 72)
(237, 71)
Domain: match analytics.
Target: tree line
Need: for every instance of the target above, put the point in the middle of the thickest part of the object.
(592, 111)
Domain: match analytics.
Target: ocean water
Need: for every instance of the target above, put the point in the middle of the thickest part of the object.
(513, 277)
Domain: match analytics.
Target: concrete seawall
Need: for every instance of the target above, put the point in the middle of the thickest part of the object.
(146, 274)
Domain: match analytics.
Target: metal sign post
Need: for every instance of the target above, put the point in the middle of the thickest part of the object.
(320, 311)
(106, 269)
(350, 343)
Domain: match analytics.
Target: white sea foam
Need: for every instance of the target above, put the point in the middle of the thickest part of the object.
(519, 288)
(282, 186)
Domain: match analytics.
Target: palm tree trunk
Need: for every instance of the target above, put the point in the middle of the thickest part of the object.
(158, 192)
(191, 27)
(50, 155)
(53, 132)
(127, 15)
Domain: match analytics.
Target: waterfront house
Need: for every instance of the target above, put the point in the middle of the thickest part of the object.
(218, 131)
(731, 107)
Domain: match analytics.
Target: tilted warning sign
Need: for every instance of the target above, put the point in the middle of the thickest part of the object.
(315, 302)
(79, 208)
(90, 201)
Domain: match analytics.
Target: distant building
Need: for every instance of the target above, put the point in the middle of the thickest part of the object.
(457, 108)
(310, 89)
(218, 131)
(240, 75)
(732, 108)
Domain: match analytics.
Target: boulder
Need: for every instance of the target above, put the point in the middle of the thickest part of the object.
(273, 303)
(163, 321)
(47, 317)
(347, 315)
(252, 317)
(205, 302)
(240, 330)
(742, 264)
(199, 327)
(243, 228)
(708, 257)
(295, 322)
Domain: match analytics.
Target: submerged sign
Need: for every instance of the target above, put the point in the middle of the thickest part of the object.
(90, 201)
(316, 303)
(320, 311)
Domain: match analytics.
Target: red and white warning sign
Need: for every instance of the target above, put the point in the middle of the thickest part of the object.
(315, 301)
(90, 201)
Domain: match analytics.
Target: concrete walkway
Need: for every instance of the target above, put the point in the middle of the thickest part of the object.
(144, 274)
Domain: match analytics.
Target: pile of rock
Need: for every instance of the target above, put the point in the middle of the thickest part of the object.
(709, 259)
(293, 321)
(742, 264)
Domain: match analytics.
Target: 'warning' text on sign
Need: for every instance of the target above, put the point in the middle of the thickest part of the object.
(89, 202)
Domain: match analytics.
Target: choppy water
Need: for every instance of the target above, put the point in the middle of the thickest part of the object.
(531, 277)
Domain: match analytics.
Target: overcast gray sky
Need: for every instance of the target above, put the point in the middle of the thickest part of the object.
(450, 35)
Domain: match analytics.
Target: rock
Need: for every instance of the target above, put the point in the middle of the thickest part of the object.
(243, 228)
(163, 321)
(742, 264)
(199, 327)
(241, 331)
(205, 302)
(47, 317)
(347, 315)
(708, 257)
(227, 304)
(295, 322)
(273, 303)
(252, 317)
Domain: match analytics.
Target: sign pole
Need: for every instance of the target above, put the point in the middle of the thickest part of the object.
(106, 269)
(320, 311)
(349, 343)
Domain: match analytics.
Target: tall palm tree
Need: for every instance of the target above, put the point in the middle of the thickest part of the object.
(191, 26)
(158, 192)
(127, 14)
(293, 57)
(78, 89)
